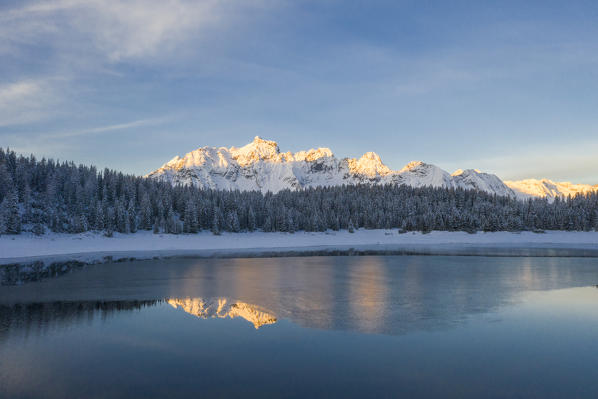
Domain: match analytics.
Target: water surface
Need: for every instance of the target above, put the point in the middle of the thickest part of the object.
(380, 326)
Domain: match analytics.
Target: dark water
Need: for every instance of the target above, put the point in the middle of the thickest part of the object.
(391, 326)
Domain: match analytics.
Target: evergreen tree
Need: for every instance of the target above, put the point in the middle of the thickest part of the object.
(251, 221)
(171, 222)
(5, 181)
(38, 229)
(9, 213)
(216, 224)
(132, 216)
(146, 213)
(191, 223)
(351, 227)
(99, 219)
(290, 223)
(233, 222)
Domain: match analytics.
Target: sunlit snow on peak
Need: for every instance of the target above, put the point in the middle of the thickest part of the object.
(261, 166)
(370, 165)
(412, 165)
(548, 188)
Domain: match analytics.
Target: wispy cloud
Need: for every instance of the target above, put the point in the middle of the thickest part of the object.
(26, 101)
(59, 141)
(17, 91)
(105, 129)
(116, 29)
(81, 39)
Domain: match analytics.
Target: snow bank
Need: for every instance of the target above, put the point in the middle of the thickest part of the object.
(94, 247)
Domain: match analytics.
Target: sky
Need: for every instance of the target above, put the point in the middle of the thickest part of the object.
(508, 87)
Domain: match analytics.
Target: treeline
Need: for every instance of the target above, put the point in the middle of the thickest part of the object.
(45, 195)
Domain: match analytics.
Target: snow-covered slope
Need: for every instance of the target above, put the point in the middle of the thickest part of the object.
(260, 165)
(547, 188)
(474, 179)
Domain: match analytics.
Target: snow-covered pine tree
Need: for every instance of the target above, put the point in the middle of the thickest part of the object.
(132, 216)
(191, 223)
(351, 227)
(9, 213)
(5, 180)
(216, 223)
(251, 221)
(146, 219)
(233, 222)
(171, 222)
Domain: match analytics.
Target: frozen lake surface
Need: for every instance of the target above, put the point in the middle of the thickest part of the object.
(371, 326)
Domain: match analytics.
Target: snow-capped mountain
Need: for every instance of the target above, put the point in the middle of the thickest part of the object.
(260, 165)
(547, 188)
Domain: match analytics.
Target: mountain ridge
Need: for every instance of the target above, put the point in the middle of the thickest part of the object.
(546, 188)
(261, 166)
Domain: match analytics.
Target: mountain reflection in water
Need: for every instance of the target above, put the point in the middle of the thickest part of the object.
(391, 295)
(223, 308)
(43, 318)
(387, 326)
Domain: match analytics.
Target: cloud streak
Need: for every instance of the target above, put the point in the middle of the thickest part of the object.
(106, 129)
(27, 101)
(17, 91)
(117, 29)
(58, 141)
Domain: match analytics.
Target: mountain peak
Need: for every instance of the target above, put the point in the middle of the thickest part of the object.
(413, 165)
(313, 154)
(261, 143)
(460, 172)
(259, 149)
(371, 156)
(369, 164)
(259, 140)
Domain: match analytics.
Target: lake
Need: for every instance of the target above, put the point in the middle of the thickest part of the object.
(371, 326)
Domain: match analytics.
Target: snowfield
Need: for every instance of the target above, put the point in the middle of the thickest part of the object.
(94, 247)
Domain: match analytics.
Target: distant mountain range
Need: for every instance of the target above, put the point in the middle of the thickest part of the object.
(547, 188)
(260, 165)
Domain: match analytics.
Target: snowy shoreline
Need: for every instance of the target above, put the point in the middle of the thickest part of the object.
(27, 257)
(94, 247)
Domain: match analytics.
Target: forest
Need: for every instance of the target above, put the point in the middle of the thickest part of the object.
(44, 196)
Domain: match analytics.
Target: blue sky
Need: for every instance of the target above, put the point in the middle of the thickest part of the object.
(507, 87)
